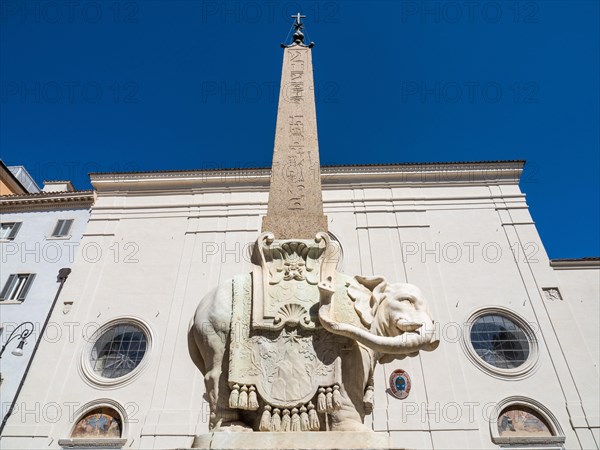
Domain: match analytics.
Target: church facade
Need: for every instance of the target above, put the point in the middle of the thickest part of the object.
(461, 232)
(517, 361)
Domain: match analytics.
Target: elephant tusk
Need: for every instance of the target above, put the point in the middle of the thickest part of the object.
(406, 325)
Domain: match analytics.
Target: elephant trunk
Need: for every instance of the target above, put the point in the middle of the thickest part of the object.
(403, 344)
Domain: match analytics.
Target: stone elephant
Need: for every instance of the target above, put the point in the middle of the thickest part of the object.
(367, 320)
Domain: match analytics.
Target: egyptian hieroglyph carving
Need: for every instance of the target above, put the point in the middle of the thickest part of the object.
(292, 346)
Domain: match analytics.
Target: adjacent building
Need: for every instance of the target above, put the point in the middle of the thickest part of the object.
(16, 180)
(39, 235)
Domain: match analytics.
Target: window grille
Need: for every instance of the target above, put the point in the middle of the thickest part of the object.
(499, 341)
(118, 351)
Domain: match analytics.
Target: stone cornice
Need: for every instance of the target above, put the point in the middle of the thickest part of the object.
(575, 263)
(46, 200)
(439, 174)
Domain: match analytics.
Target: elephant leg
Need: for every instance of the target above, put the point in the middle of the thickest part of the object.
(356, 371)
(216, 358)
(222, 416)
(348, 418)
(211, 331)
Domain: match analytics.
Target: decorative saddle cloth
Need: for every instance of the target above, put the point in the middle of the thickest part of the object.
(287, 367)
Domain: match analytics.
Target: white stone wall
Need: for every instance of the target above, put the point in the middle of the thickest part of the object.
(574, 319)
(167, 239)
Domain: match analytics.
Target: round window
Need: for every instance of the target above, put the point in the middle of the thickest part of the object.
(499, 341)
(118, 351)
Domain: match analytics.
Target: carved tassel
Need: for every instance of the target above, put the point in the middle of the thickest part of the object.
(233, 397)
(304, 422)
(336, 397)
(313, 417)
(265, 419)
(321, 401)
(329, 397)
(295, 420)
(275, 420)
(252, 400)
(285, 421)
(243, 399)
(368, 399)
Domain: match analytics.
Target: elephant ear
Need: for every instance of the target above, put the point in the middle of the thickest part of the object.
(367, 293)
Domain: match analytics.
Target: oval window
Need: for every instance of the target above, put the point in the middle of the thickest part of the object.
(499, 341)
(118, 351)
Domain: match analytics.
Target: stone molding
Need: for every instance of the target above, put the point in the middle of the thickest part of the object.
(44, 201)
(574, 264)
(438, 174)
(92, 443)
(299, 441)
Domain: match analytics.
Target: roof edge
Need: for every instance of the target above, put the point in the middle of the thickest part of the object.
(46, 200)
(576, 263)
(325, 168)
(13, 177)
(471, 173)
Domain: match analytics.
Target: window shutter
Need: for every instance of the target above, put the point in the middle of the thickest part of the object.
(8, 286)
(57, 228)
(14, 231)
(28, 284)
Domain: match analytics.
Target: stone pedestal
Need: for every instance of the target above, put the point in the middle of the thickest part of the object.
(286, 441)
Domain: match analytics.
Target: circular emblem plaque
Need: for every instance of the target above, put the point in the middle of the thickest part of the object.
(399, 384)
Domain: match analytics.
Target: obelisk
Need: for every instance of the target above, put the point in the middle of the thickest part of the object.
(295, 209)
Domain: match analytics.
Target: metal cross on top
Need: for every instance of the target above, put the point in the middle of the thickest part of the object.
(298, 38)
(298, 16)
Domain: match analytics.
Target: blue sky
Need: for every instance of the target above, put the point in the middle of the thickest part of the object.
(152, 85)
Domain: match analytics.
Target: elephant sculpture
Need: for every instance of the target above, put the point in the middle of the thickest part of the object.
(293, 345)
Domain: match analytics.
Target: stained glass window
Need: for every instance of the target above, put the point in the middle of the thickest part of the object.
(499, 341)
(118, 351)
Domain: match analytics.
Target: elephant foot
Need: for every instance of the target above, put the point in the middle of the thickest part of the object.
(225, 420)
(349, 425)
(233, 427)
